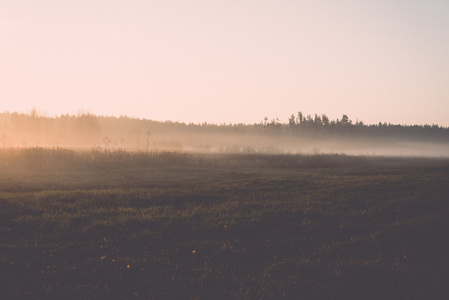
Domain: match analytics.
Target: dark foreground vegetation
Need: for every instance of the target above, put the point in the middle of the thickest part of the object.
(118, 225)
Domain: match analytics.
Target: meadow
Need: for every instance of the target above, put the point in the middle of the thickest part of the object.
(99, 224)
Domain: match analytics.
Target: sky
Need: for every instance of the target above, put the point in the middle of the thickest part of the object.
(227, 61)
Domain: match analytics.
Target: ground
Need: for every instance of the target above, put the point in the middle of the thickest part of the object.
(175, 225)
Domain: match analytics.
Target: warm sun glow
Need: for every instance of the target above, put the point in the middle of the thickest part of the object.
(227, 61)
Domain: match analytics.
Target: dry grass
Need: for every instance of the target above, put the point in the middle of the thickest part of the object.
(173, 225)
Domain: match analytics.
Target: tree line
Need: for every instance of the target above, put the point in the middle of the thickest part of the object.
(17, 129)
(322, 125)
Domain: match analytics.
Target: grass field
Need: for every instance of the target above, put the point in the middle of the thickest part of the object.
(118, 225)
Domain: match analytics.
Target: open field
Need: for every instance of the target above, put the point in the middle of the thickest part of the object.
(118, 225)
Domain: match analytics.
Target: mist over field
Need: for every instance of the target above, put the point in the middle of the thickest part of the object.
(302, 134)
(98, 207)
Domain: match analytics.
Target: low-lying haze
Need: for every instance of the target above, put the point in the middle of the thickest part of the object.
(303, 134)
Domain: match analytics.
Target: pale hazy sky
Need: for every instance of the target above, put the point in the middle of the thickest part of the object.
(227, 61)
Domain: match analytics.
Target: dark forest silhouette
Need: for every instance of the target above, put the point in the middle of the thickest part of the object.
(299, 134)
